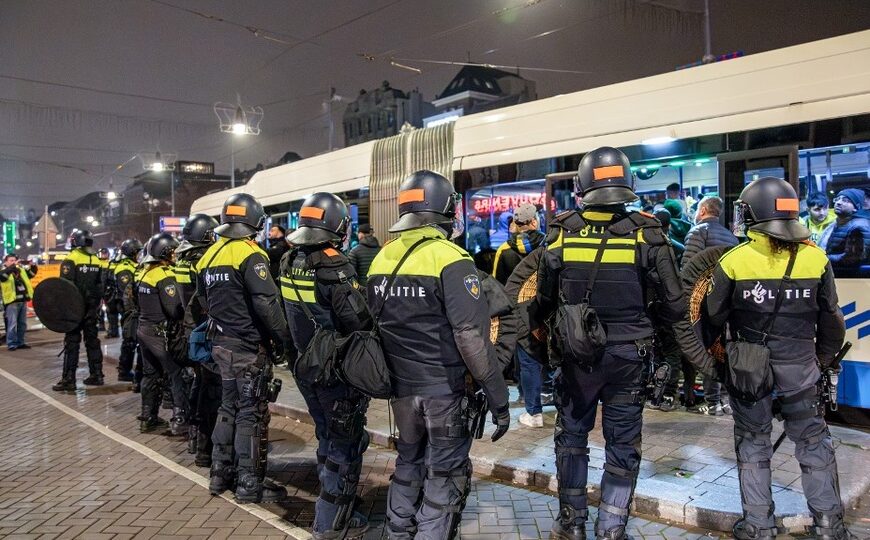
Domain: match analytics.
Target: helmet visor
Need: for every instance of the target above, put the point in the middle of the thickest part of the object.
(743, 218)
(458, 217)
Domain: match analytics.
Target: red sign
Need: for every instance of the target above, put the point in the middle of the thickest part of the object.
(505, 203)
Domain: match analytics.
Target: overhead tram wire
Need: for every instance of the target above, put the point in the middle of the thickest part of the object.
(102, 91)
(262, 33)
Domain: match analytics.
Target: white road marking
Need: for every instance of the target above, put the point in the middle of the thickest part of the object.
(269, 517)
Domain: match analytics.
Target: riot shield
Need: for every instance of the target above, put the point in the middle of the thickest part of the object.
(58, 304)
(696, 277)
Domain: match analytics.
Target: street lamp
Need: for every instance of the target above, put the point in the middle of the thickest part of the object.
(237, 120)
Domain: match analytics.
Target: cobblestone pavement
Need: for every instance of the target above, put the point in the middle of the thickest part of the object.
(688, 473)
(62, 478)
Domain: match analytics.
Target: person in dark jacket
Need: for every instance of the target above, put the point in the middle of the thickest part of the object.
(504, 319)
(364, 253)
(708, 232)
(803, 336)
(848, 243)
(679, 227)
(84, 269)
(275, 248)
(245, 317)
(633, 253)
(435, 328)
(477, 235)
(320, 288)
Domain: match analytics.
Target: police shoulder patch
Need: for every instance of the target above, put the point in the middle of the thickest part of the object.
(262, 270)
(64, 269)
(125, 279)
(472, 285)
(170, 289)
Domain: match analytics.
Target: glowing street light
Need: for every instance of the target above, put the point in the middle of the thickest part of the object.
(89, 219)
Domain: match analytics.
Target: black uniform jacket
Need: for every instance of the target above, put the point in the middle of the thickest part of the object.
(241, 297)
(185, 275)
(158, 296)
(86, 271)
(325, 281)
(435, 322)
(809, 324)
(125, 283)
(636, 257)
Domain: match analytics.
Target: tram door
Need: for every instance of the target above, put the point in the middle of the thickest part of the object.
(738, 169)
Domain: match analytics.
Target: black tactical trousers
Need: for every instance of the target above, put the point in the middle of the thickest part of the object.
(814, 450)
(205, 400)
(433, 473)
(154, 373)
(113, 311)
(339, 419)
(128, 344)
(71, 343)
(242, 419)
(617, 381)
(154, 352)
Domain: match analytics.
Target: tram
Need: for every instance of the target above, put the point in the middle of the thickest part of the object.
(801, 113)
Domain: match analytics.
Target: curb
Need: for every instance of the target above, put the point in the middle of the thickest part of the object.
(711, 511)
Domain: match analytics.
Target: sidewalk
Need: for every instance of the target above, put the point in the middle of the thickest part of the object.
(688, 475)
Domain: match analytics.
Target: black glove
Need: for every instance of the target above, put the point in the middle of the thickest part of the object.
(502, 419)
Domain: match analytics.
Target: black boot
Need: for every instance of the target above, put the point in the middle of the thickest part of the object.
(221, 478)
(829, 527)
(152, 424)
(178, 424)
(203, 450)
(251, 490)
(743, 530)
(125, 376)
(65, 385)
(95, 365)
(94, 380)
(616, 533)
(570, 525)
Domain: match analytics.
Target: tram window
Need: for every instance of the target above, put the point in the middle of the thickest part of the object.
(836, 205)
(489, 212)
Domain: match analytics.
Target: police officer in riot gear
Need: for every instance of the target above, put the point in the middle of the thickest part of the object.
(434, 327)
(245, 315)
(159, 302)
(124, 271)
(746, 288)
(113, 303)
(318, 281)
(84, 269)
(205, 396)
(626, 252)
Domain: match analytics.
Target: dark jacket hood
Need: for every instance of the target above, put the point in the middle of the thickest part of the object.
(525, 242)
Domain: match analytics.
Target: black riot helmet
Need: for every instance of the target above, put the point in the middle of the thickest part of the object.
(241, 217)
(80, 238)
(769, 205)
(130, 248)
(161, 247)
(604, 177)
(322, 218)
(426, 198)
(197, 232)
(103, 253)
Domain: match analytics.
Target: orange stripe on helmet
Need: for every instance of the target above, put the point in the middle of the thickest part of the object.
(233, 210)
(311, 212)
(330, 252)
(786, 205)
(412, 195)
(606, 173)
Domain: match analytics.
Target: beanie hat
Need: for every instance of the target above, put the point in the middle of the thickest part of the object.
(674, 207)
(855, 195)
